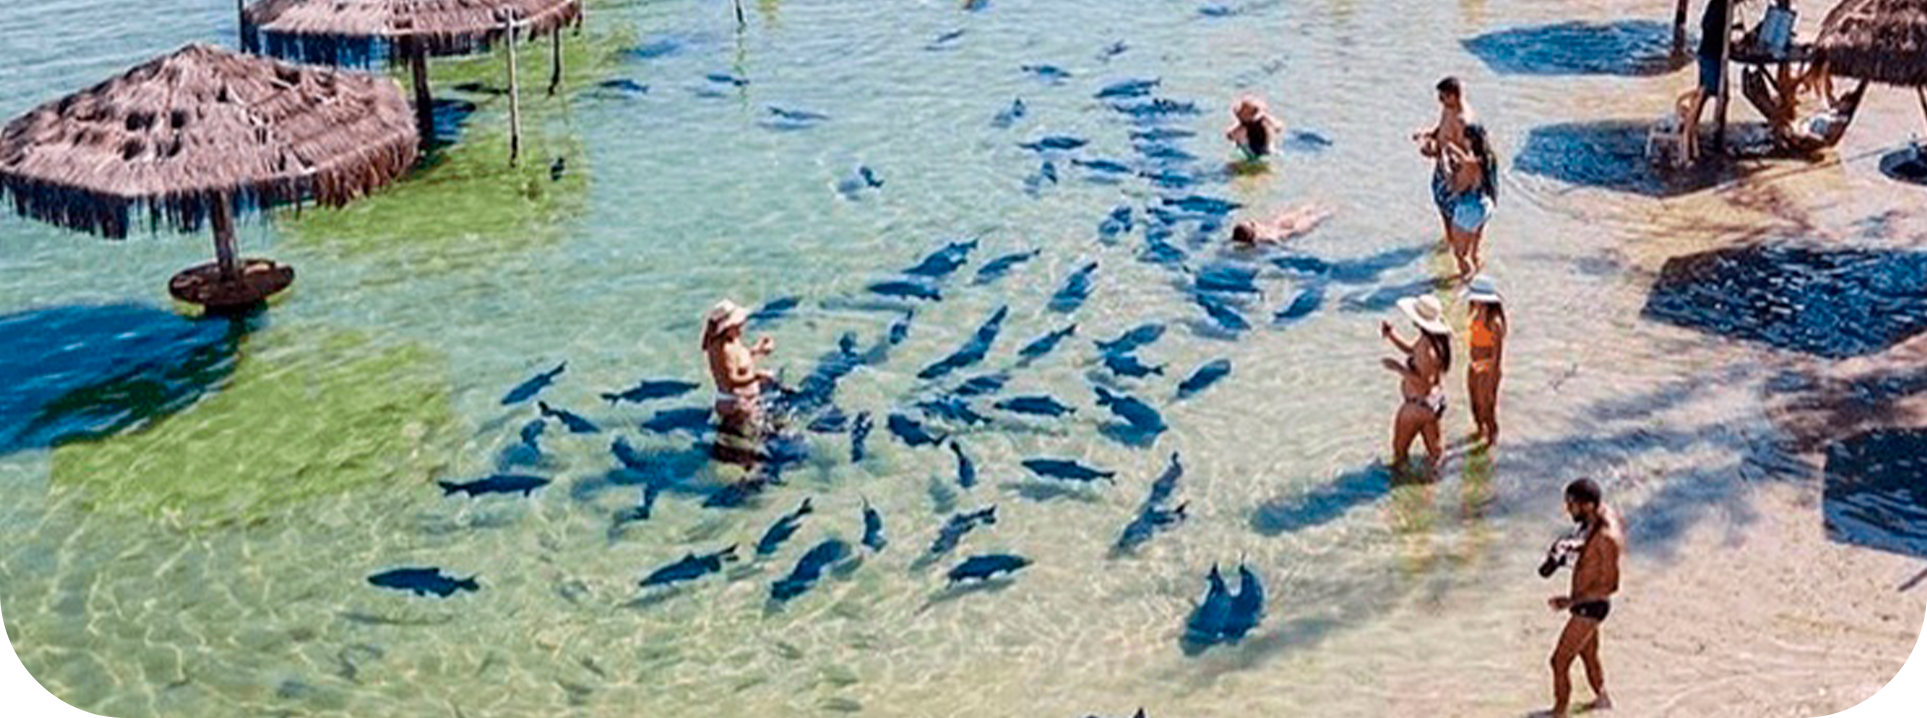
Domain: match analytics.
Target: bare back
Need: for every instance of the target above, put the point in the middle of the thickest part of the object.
(1596, 575)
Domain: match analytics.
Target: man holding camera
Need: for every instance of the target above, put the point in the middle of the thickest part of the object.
(1595, 578)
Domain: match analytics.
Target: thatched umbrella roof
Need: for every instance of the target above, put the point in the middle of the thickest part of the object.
(200, 132)
(1880, 40)
(351, 32)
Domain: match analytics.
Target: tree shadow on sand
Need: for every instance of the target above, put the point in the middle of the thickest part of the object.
(1611, 155)
(1830, 303)
(1875, 496)
(1631, 48)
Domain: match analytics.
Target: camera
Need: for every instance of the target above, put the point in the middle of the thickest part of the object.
(1562, 552)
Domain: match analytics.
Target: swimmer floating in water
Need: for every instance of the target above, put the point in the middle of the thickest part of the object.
(1281, 228)
(1255, 128)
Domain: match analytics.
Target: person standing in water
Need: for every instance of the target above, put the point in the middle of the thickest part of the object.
(1474, 188)
(1454, 115)
(1487, 343)
(739, 384)
(1427, 358)
(1595, 578)
(1255, 129)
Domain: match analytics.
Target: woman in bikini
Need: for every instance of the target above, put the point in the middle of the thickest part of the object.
(1427, 358)
(739, 384)
(1487, 343)
(1474, 193)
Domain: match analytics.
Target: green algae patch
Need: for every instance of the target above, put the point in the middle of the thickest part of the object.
(305, 414)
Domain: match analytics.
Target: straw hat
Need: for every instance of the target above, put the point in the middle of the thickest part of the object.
(1426, 311)
(727, 315)
(1484, 290)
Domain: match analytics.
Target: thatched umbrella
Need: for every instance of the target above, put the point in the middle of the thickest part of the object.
(191, 137)
(356, 32)
(1883, 41)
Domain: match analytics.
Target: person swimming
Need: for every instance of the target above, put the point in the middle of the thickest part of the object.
(1281, 228)
(1427, 359)
(1255, 128)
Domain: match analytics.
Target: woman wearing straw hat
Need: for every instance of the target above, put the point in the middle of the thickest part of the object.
(739, 383)
(1427, 358)
(1487, 342)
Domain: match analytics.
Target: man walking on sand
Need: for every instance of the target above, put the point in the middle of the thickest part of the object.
(1595, 578)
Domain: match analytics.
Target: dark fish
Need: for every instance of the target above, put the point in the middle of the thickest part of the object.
(911, 432)
(1067, 470)
(966, 469)
(1157, 108)
(951, 408)
(1307, 301)
(941, 263)
(833, 421)
(771, 311)
(873, 528)
(1207, 621)
(1049, 73)
(1076, 289)
(995, 269)
(1038, 405)
(865, 178)
(944, 41)
(721, 78)
(1307, 141)
(650, 389)
(1247, 608)
(1204, 377)
(869, 177)
(644, 508)
(628, 456)
(809, 569)
(1058, 143)
(575, 423)
(736, 493)
(1166, 152)
(1302, 264)
(1166, 483)
(960, 524)
(982, 384)
(782, 530)
(859, 432)
(624, 85)
(693, 420)
(690, 568)
(982, 568)
(1127, 88)
(1203, 205)
(1135, 338)
(907, 289)
(1127, 365)
(1226, 318)
(1046, 174)
(496, 484)
(532, 431)
(534, 385)
(1162, 134)
(1217, 11)
(663, 47)
(973, 349)
(1228, 278)
(423, 581)
(1132, 410)
(1146, 525)
(1169, 179)
(975, 5)
(801, 116)
(1103, 165)
(1045, 344)
(1117, 222)
(1010, 115)
(1158, 250)
(557, 169)
(1113, 50)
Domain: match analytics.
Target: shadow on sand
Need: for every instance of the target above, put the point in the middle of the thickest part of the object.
(1874, 494)
(1632, 48)
(1611, 155)
(1834, 303)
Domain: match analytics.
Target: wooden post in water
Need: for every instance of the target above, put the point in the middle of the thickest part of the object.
(1679, 26)
(1726, 81)
(515, 100)
(424, 103)
(555, 72)
(224, 246)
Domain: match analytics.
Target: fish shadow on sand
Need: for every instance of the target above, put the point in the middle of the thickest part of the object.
(1628, 48)
(957, 591)
(1611, 155)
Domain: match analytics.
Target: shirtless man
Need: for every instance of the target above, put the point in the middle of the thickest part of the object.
(1595, 578)
(733, 365)
(1454, 115)
(1281, 228)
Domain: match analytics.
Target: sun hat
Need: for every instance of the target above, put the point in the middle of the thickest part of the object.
(1484, 290)
(726, 315)
(1426, 311)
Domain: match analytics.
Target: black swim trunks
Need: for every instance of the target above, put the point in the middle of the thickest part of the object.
(1593, 610)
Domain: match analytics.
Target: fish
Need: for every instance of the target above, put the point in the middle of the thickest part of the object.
(1076, 289)
(800, 116)
(771, 311)
(575, 423)
(558, 168)
(1132, 410)
(911, 432)
(1146, 525)
(1119, 221)
(1059, 143)
(644, 508)
(975, 5)
(1217, 11)
(960, 524)
(628, 456)
(689, 568)
(662, 47)
(1305, 141)
(1206, 375)
(1226, 318)
(833, 421)
(859, 432)
(694, 420)
(943, 261)
(423, 581)
(1203, 205)
(966, 469)
(1127, 365)
(723, 78)
(1247, 608)
(1227, 278)
(495, 484)
(1128, 88)
(534, 385)
(651, 389)
(869, 177)
(1113, 50)
(982, 384)
(983, 568)
(1049, 73)
(996, 269)
(865, 178)
(1301, 306)
(532, 431)
(1169, 179)
(1036, 405)
(907, 289)
(625, 86)
(1157, 250)
(783, 529)
(1010, 115)
(873, 528)
(1162, 134)
(1103, 165)
(736, 493)
(1207, 621)
(1133, 339)
(1166, 483)
(944, 40)
(1046, 174)
(1157, 108)
(1067, 470)
(973, 349)
(951, 408)
(1162, 151)
(1302, 264)
(809, 569)
(1043, 345)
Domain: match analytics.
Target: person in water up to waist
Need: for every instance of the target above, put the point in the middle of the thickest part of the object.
(1595, 578)
(1255, 129)
(731, 363)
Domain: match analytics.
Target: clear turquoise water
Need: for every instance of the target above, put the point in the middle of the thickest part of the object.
(128, 613)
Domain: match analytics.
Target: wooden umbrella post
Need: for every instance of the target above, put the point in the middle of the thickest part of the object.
(555, 71)
(1679, 27)
(515, 100)
(222, 218)
(424, 103)
(1726, 71)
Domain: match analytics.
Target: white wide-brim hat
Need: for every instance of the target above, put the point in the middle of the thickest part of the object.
(1426, 311)
(1484, 290)
(727, 315)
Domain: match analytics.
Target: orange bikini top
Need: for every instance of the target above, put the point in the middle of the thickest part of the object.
(1482, 336)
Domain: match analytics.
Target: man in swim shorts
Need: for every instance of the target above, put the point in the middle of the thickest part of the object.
(1595, 578)
(1454, 115)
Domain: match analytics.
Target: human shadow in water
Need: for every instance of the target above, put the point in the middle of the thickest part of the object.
(1631, 48)
(1611, 155)
(1831, 303)
(84, 372)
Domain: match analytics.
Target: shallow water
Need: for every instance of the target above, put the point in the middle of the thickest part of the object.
(212, 558)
